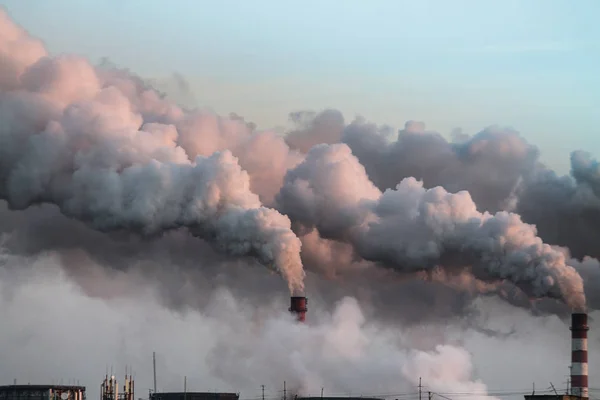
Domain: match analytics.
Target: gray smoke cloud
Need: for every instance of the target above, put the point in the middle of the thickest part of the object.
(314, 128)
(565, 209)
(418, 251)
(489, 165)
(217, 348)
(187, 268)
(111, 151)
(499, 168)
(412, 228)
(105, 150)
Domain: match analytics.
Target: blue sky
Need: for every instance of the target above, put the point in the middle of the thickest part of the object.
(530, 64)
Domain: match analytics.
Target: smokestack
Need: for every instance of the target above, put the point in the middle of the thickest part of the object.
(579, 355)
(298, 307)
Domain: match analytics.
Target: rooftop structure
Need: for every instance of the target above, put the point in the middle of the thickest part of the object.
(109, 389)
(552, 397)
(42, 392)
(336, 398)
(194, 396)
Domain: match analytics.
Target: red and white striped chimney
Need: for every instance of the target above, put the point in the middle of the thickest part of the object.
(579, 355)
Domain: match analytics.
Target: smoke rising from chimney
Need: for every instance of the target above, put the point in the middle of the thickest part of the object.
(108, 150)
(412, 228)
(452, 220)
(107, 153)
(222, 342)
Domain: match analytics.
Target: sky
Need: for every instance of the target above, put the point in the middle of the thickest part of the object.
(463, 64)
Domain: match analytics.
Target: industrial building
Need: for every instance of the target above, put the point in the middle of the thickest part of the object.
(336, 398)
(194, 396)
(551, 397)
(109, 389)
(42, 392)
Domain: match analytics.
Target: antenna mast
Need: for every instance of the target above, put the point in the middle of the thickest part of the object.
(154, 369)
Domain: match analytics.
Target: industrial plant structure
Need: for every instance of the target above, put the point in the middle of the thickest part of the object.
(194, 396)
(551, 397)
(42, 392)
(336, 398)
(109, 389)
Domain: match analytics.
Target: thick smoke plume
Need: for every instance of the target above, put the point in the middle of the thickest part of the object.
(237, 346)
(109, 152)
(566, 209)
(412, 228)
(489, 165)
(500, 170)
(188, 268)
(416, 247)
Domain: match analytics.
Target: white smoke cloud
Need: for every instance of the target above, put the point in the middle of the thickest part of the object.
(566, 209)
(18, 50)
(106, 151)
(232, 345)
(111, 151)
(412, 228)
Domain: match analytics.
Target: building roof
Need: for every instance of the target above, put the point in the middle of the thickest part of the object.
(41, 387)
(337, 398)
(552, 397)
(193, 395)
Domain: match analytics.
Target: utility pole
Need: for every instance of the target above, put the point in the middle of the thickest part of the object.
(321, 393)
(185, 388)
(420, 388)
(284, 391)
(263, 391)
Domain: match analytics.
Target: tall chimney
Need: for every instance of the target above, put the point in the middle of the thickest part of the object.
(298, 307)
(579, 355)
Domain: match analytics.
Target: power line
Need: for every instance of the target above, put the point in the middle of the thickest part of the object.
(441, 395)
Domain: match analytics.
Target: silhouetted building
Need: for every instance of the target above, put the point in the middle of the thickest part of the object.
(42, 392)
(194, 396)
(551, 397)
(336, 398)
